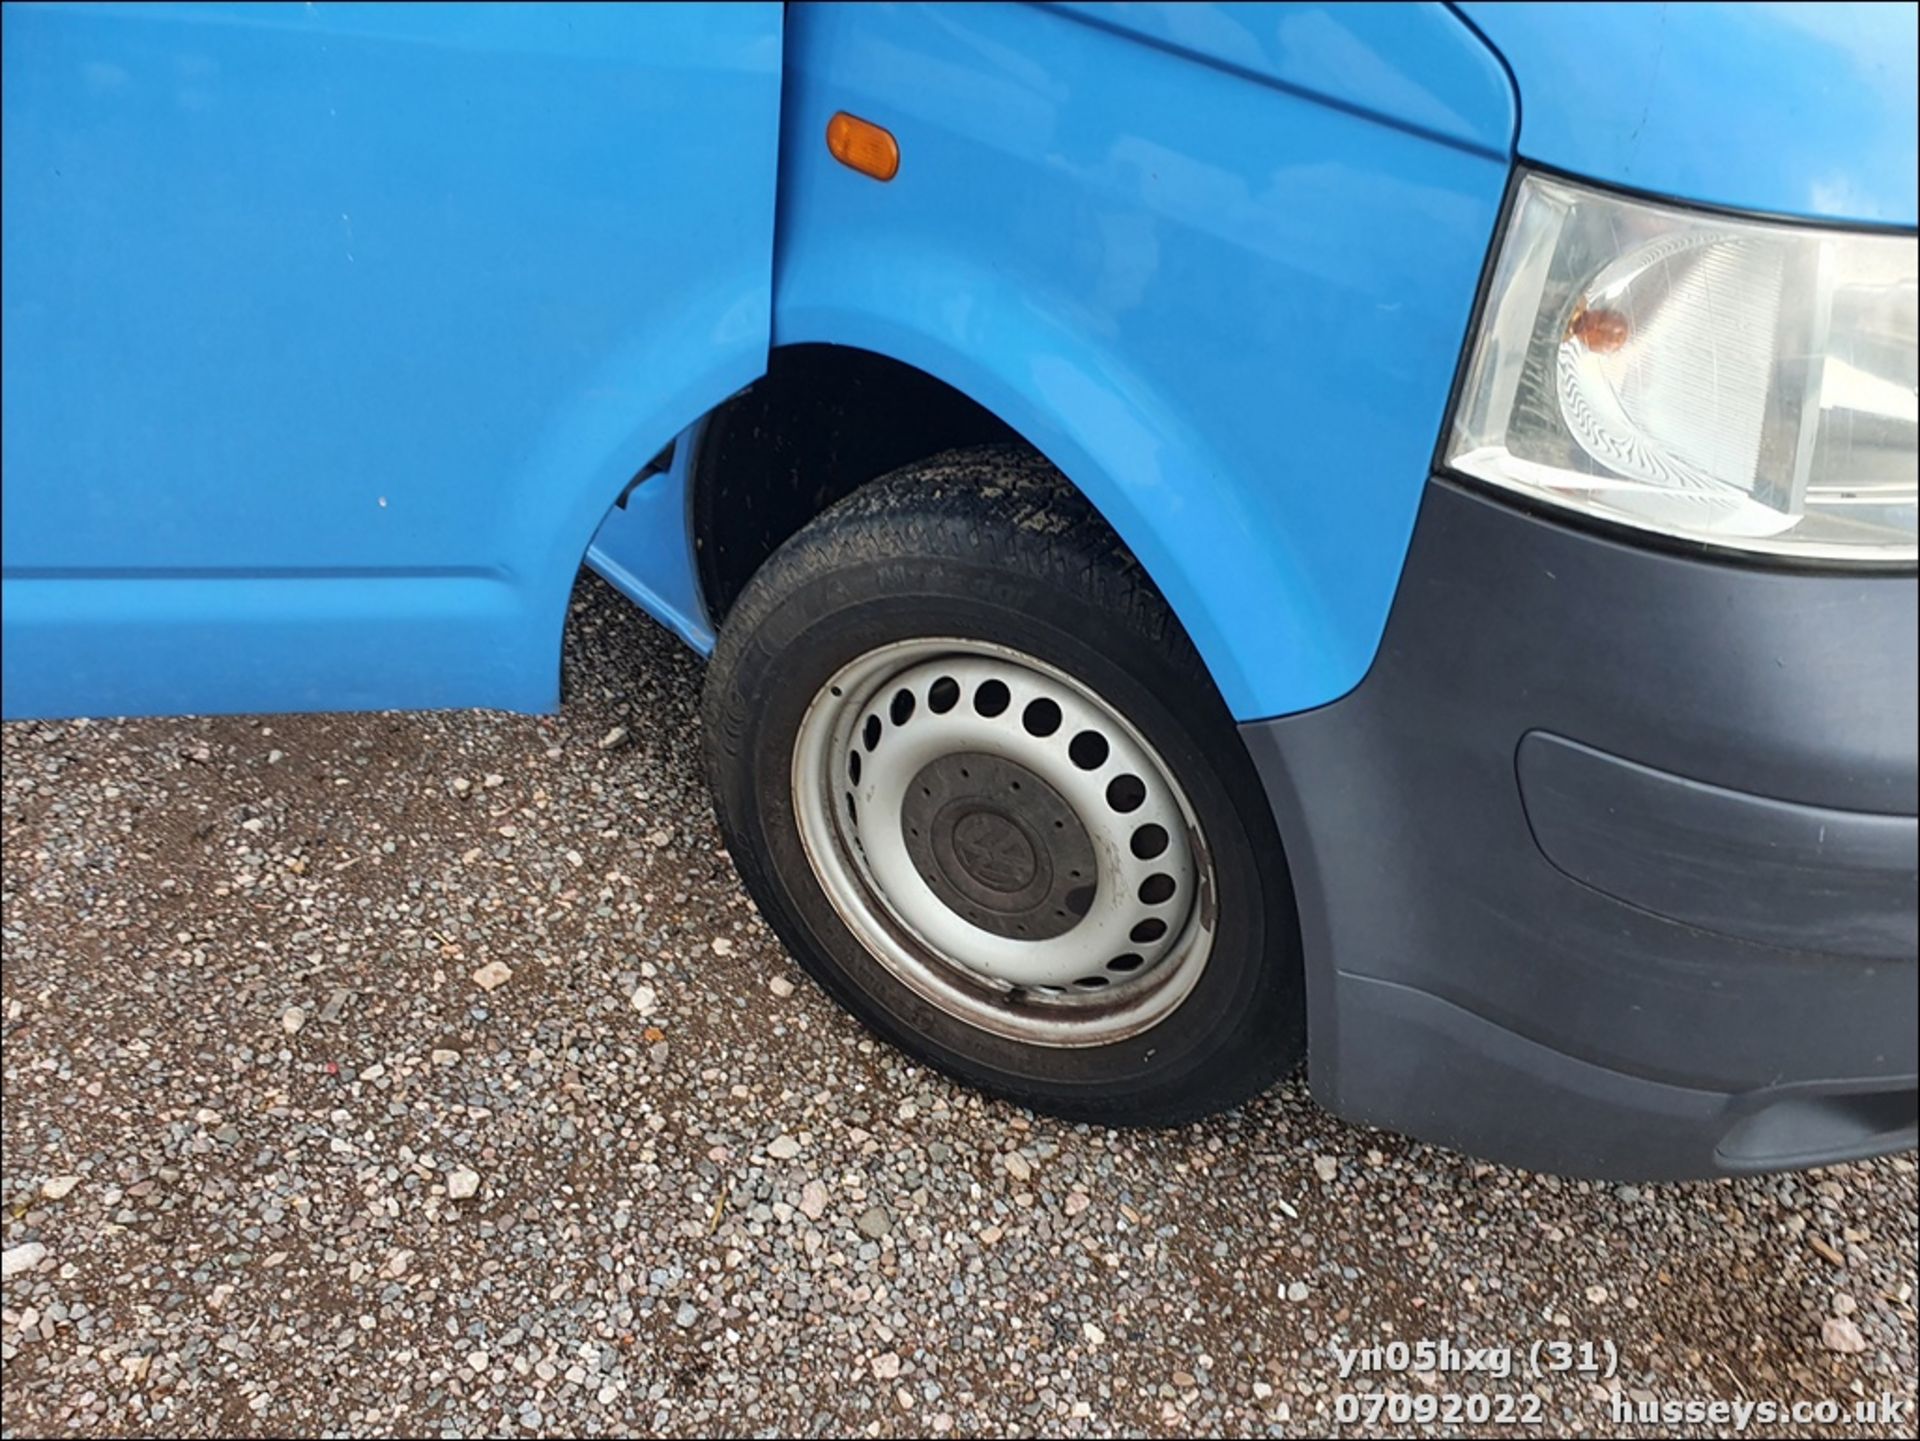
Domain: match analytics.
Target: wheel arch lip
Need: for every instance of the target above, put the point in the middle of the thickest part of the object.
(1164, 505)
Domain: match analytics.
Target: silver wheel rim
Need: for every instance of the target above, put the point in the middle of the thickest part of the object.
(1004, 842)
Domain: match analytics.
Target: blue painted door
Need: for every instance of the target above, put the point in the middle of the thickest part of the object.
(332, 331)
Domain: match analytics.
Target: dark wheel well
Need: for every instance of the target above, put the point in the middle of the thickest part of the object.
(823, 421)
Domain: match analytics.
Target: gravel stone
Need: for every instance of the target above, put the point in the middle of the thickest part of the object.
(814, 1199)
(22, 1258)
(231, 1259)
(1839, 1333)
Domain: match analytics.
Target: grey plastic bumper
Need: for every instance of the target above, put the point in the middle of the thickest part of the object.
(1608, 866)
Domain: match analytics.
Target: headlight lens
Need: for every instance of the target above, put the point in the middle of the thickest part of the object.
(1742, 384)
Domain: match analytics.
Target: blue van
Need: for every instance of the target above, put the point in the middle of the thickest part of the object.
(1225, 533)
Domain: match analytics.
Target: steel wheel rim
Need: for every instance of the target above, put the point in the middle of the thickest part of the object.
(949, 794)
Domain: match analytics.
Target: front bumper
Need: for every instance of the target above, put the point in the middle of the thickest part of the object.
(1608, 866)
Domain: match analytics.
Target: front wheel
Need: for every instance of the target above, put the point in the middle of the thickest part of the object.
(977, 779)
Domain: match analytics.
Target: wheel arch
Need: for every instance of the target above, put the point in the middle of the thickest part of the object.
(779, 452)
(1145, 472)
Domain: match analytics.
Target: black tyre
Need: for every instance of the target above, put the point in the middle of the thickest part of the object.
(978, 780)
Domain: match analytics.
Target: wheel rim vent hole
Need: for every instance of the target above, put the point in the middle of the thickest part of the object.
(1157, 889)
(1149, 841)
(1041, 717)
(1088, 750)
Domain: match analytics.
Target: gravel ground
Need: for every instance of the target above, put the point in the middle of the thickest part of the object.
(432, 1073)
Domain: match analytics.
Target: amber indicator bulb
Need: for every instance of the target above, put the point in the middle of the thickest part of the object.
(861, 145)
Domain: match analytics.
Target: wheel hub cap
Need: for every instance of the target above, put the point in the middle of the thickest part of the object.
(999, 846)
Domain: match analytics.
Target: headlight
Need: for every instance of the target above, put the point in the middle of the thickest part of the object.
(1732, 382)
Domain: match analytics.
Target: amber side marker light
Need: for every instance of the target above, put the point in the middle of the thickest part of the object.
(861, 145)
